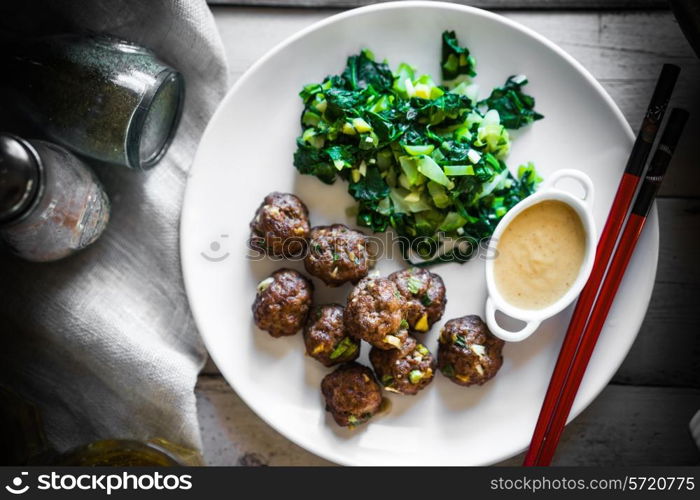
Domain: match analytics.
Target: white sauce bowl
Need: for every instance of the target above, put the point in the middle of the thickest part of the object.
(548, 191)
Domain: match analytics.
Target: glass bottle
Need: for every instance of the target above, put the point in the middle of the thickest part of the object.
(100, 96)
(51, 203)
(156, 452)
(23, 442)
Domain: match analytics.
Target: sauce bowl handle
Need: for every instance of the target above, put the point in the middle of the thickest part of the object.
(577, 175)
(503, 334)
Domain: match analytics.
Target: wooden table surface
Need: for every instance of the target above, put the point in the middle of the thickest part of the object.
(642, 417)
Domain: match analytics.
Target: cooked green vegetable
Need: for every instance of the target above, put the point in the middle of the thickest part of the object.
(345, 348)
(456, 60)
(514, 107)
(415, 376)
(414, 284)
(448, 370)
(426, 159)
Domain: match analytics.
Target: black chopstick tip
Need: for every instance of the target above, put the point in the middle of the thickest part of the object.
(673, 130)
(664, 88)
(660, 161)
(667, 79)
(676, 122)
(652, 119)
(670, 136)
(671, 70)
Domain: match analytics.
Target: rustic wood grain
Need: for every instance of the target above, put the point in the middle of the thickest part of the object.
(624, 426)
(667, 349)
(484, 4)
(624, 51)
(679, 247)
(233, 435)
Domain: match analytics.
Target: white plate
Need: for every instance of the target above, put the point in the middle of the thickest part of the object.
(247, 152)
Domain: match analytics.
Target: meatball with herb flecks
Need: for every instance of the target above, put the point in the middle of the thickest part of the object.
(325, 338)
(468, 353)
(337, 254)
(375, 313)
(282, 302)
(352, 394)
(406, 370)
(425, 297)
(280, 226)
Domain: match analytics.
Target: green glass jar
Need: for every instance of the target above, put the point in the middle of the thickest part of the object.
(100, 96)
(23, 442)
(156, 452)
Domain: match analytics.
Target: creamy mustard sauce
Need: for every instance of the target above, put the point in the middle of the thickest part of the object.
(539, 255)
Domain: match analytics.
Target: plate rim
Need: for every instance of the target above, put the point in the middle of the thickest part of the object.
(308, 445)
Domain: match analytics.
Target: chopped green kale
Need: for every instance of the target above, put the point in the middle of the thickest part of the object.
(515, 108)
(423, 158)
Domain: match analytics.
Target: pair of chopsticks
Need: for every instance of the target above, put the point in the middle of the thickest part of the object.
(596, 298)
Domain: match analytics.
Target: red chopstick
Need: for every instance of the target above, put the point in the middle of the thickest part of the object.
(613, 278)
(611, 231)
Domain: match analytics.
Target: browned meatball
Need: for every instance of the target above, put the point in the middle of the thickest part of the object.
(375, 313)
(325, 338)
(337, 254)
(280, 226)
(283, 302)
(468, 353)
(352, 394)
(406, 370)
(425, 297)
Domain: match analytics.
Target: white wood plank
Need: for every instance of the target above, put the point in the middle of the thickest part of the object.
(484, 4)
(624, 426)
